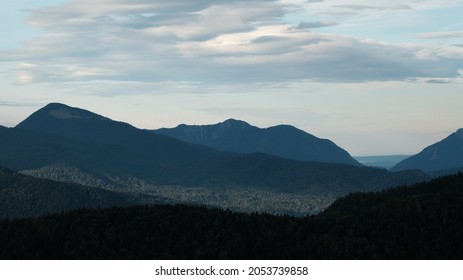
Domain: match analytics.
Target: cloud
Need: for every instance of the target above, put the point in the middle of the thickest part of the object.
(205, 41)
(457, 79)
(441, 35)
(4, 103)
(373, 7)
(315, 24)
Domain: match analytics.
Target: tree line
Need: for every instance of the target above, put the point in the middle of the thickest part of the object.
(423, 221)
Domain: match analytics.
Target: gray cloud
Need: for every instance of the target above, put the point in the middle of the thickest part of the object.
(20, 104)
(209, 41)
(373, 7)
(441, 35)
(315, 24)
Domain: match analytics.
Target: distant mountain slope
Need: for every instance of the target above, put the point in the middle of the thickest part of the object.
(28, 150)
(420, 222)
(446, 154)
(280, 174)
(24, 196)
(387, 161)
(282, 140)
(65, 143)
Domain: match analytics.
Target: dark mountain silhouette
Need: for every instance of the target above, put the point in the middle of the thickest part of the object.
(24, 196)
(444, 155)
(240, 137)
(71, 144)
(29, 150)
(82, 125)
(420, 222)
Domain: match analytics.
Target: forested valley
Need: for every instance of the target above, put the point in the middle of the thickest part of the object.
(422, 221)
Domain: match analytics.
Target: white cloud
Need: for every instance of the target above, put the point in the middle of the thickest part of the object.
(441, 35)
(209, 41)
(373, 7)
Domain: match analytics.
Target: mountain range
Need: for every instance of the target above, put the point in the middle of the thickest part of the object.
(62, 158)
(445, 156)
(71, 144)
(240, 137)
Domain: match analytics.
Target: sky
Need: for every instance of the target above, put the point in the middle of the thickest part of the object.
(376, 77)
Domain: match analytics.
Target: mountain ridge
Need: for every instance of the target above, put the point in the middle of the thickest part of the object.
(282, 140)
(82, 147)
(446, 154)
(94, 128)
(111, 145)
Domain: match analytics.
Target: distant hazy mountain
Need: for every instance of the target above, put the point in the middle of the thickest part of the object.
(34, 151)
(387, 161)
(24, 196)
(70, 144)
(282, 140)
(443, 155)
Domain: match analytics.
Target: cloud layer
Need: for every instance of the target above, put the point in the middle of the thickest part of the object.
(220, 41)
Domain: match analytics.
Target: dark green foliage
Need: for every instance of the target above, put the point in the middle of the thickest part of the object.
(424, 221)
(420, 222)
(444, 172)
(143, 233)
(23, 196)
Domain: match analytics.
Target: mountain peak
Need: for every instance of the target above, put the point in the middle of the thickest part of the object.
(63, 120)
(459, 132)
(286, 128)
(63, 111)
(56, 116)
(234, 122)
(283, 140)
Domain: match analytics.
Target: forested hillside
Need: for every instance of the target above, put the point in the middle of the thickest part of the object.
(24, 196)
(424, 221)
